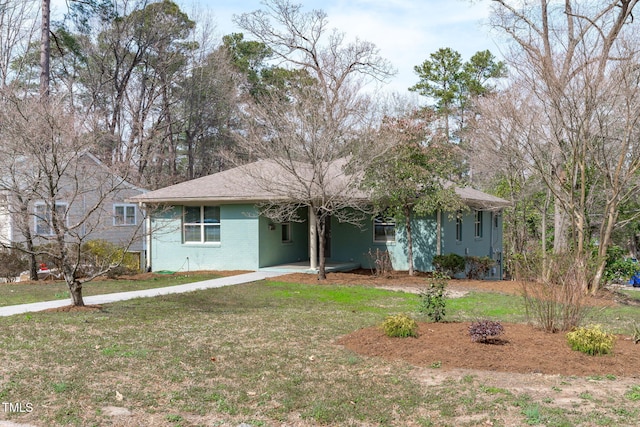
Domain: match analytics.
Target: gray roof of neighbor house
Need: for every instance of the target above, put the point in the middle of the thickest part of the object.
(248, 183)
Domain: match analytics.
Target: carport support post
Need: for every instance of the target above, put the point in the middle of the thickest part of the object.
(313, 240)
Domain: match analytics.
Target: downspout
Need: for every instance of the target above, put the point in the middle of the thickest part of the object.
(491, 253)
(439, 232)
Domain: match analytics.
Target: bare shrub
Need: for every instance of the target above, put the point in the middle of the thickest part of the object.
(12, 263)
(380, 262)
(477, 267)
(557, 302)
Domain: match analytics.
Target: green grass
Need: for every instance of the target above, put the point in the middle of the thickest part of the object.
(475, 305)
(617, 320)
(263, 353)
(634, 293)
(23, 293)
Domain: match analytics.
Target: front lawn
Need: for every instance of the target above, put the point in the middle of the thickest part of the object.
(266, 353)
(28, 292)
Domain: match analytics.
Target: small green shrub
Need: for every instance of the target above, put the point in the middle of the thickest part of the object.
(618, 267)
(433, 299)
(400, 325)
(485, 330)
(450, 264)
(591, 340)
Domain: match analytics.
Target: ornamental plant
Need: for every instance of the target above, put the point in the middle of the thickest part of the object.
(400, 325)
(433, 299)
(485, 330)
(591, 340)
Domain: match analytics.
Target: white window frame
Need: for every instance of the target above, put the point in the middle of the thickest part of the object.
(478, 224)
(125, 207)
(286, 233)
(202, 224)
(45, 217)
(382, 221)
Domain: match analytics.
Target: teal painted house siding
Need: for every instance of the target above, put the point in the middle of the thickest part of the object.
(237, 250)
(350, 243)
(249, 241)
(488, 244)
(273, 251)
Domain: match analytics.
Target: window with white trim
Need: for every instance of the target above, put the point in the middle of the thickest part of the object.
(478, 224)
(201, 224)
(286, 232)
(124, 214)
(43, 217)
(384, 229)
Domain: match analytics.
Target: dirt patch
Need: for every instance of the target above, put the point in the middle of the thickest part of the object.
(522, 349)
(74, 309)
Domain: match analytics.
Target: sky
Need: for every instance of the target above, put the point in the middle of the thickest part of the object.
(405, 31)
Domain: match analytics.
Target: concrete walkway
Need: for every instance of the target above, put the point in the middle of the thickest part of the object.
(123, 296)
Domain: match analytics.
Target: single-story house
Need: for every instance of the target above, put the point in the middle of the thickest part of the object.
(215, 223)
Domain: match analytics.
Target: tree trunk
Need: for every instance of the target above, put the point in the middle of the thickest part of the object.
(33, 262)
(75, 289)
(407, 216)
(546, 270)
(322, 274)
(26, 232)
(45, 49)
(605, 237)
(560, 230)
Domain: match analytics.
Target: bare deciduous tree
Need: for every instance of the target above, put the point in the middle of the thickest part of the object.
(18, 24)
(60, 196)
(317, 118)
(575, 59)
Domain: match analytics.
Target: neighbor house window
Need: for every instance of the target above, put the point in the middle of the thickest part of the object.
(478, 224)
(201, 224)
(44, 217)
(286, 232)
(459, 227)
(124, 215)
(384, 229)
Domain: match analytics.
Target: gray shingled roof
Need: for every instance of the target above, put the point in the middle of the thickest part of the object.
(245, 184)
